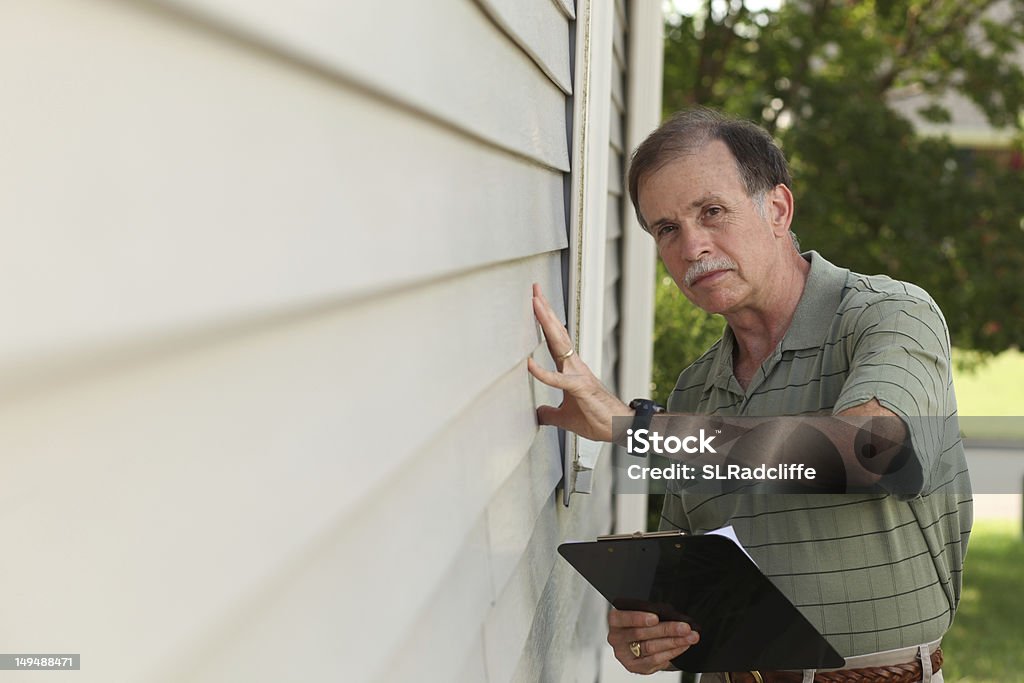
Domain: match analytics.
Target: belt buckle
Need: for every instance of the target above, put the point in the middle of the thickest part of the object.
(758, 678)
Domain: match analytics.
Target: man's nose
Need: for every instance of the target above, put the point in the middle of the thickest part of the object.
(694, 244)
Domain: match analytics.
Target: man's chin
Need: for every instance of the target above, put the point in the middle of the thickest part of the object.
(711, 304)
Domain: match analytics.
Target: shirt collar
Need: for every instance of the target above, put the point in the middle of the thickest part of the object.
(721, 368)
(822, 294)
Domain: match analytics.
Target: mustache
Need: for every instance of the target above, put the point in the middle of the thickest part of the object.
(705, 266)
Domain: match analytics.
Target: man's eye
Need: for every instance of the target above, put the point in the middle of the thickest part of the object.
(713, 211)
(665, 230)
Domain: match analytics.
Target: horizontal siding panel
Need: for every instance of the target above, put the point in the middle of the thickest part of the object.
(507, 626)
(627, 205)
(528, 594)
(266, 422)
(616, 136)
(589, 639)
(614, 217)
(610, 318)
(409, 55)
(615, 183)
(611, 312)
(619, 65)
(609, 370)
(610, 345)
(544, 654)
(453, 595)
(568, 7)
(456, 462)
(316, 357)
(512, 514)
(612, 263)
(541, 30)
(609, 361)
(618, 86)
(475, 668)
(533, 599)
(449, 627)
(270, 198)
(565, 592)
(492, 311)
(619, 46)
(302, 308)
(314, 631)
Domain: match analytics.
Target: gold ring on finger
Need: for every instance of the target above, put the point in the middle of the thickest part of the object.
(565, 355)
(634, 647)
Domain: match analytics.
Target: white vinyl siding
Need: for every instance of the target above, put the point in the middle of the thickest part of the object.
(617, 194)
(445, 58)
(264, 407)
(642, 70)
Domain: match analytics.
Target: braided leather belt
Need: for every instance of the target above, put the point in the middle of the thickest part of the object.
(897, 673)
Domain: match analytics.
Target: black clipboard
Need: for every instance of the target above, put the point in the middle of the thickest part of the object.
(745, 622)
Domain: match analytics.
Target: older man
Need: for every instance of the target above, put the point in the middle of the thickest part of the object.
(878, 574)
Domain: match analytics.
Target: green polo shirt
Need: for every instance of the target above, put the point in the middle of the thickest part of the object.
(872, 572)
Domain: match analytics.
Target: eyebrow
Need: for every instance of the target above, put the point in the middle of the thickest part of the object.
(706, 198)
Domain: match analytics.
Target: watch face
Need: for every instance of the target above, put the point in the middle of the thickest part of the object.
(646, 405)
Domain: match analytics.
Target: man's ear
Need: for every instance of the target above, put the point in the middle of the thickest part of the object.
(780, 209)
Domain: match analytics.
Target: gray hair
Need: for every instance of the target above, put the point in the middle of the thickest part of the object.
(761, 164)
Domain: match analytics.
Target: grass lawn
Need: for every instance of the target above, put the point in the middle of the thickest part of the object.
(986, 642)
(994, 389)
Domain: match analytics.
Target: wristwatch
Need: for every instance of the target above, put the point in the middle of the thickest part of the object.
(645, 409)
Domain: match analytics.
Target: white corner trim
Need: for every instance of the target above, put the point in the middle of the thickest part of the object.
(636, 327)
(595, 22)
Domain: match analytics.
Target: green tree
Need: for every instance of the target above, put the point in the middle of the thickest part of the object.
(870, 193)
(681, 331)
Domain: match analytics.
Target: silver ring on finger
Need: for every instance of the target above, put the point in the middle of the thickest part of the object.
(635, 648)
(565, 355)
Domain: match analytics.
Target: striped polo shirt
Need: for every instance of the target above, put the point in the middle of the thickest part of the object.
(872, 572)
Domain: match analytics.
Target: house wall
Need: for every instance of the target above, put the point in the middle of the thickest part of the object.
(264, 408)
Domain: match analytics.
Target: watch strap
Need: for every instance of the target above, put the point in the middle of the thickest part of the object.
(645, 410)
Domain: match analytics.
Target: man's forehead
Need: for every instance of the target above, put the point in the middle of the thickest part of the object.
(711, 169)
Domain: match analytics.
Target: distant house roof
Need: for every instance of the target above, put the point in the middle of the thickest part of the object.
(968, 126)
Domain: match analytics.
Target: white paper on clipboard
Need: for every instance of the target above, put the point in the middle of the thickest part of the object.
(730, 533)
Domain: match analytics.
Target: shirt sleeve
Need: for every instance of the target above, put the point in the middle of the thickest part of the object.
(899, 354)
(673, 515)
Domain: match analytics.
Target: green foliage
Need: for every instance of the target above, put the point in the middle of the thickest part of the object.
(984, 643)
(682, 332)
(872, 195)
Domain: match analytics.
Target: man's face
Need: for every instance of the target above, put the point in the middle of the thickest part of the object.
(715, 244)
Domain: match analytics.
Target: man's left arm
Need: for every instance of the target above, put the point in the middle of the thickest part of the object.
(899, 365)
(892, 354)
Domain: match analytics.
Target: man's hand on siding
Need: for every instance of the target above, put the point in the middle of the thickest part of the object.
(587, 407)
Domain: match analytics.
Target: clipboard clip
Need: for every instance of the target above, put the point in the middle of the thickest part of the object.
(642, 534)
